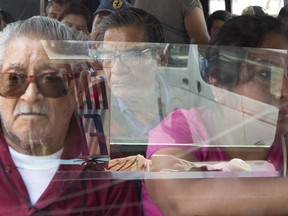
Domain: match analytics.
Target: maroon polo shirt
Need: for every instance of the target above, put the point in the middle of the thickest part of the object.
(72, 190)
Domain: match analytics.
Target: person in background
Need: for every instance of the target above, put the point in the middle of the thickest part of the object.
(40, 129)
(105, 8)
(54, 8)
(133, 75)
(254, 10)
(283, 17)
(5, 18)
(220, 195)
(215, 20)
(77, 16)
(183, 21)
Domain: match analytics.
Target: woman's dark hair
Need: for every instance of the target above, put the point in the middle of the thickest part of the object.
(54, 2)
(6, 17)
(242, 31)
(78, 9)
(283, 17)
(246, 31)
(217, 15)
(134, 17)
(283, 13)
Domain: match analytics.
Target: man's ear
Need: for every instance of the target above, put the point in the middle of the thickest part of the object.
(162, 56)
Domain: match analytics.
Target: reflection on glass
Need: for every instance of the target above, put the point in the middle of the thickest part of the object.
(138, 92)
(244, 113)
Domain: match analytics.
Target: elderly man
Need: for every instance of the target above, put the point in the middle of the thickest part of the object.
(40, 135)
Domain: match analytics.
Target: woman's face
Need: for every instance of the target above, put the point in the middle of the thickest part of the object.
(268, 80)
(261, 75)
(76, 21)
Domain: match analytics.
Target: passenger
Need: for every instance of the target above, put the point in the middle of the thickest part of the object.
(54, 8)
(133, 75)
(40, 136)
(283, 17)
(215, 20)
(5, 18)
(77, 16)
(183, 21)
(224, 196)
(254, 10)
(104, 9)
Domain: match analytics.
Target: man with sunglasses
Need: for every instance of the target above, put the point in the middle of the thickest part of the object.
(42, 169)
(131, 55)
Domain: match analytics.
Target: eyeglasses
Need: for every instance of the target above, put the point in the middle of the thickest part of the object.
(129, 58)
(52, 84)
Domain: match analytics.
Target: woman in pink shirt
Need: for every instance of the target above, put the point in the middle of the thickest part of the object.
(252, 79)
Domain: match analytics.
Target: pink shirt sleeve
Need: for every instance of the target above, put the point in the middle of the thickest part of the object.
(182, 128)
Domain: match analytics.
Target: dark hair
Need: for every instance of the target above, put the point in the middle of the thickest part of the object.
(254, 10)
(283, 16)
(217, 15)
(78, 9)
(241, 31)
(53, 2)
(134, 17)
(283, 12)
(246, 31)
(6, 16)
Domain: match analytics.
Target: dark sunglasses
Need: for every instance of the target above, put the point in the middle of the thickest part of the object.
(52, 84)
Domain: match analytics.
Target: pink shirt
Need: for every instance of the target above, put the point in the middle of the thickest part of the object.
(189, 126)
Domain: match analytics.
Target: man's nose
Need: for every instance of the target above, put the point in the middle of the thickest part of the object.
(32, 93)
(119, 67)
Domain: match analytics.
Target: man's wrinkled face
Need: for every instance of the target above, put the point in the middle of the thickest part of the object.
(134, 66)
(33, 116)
